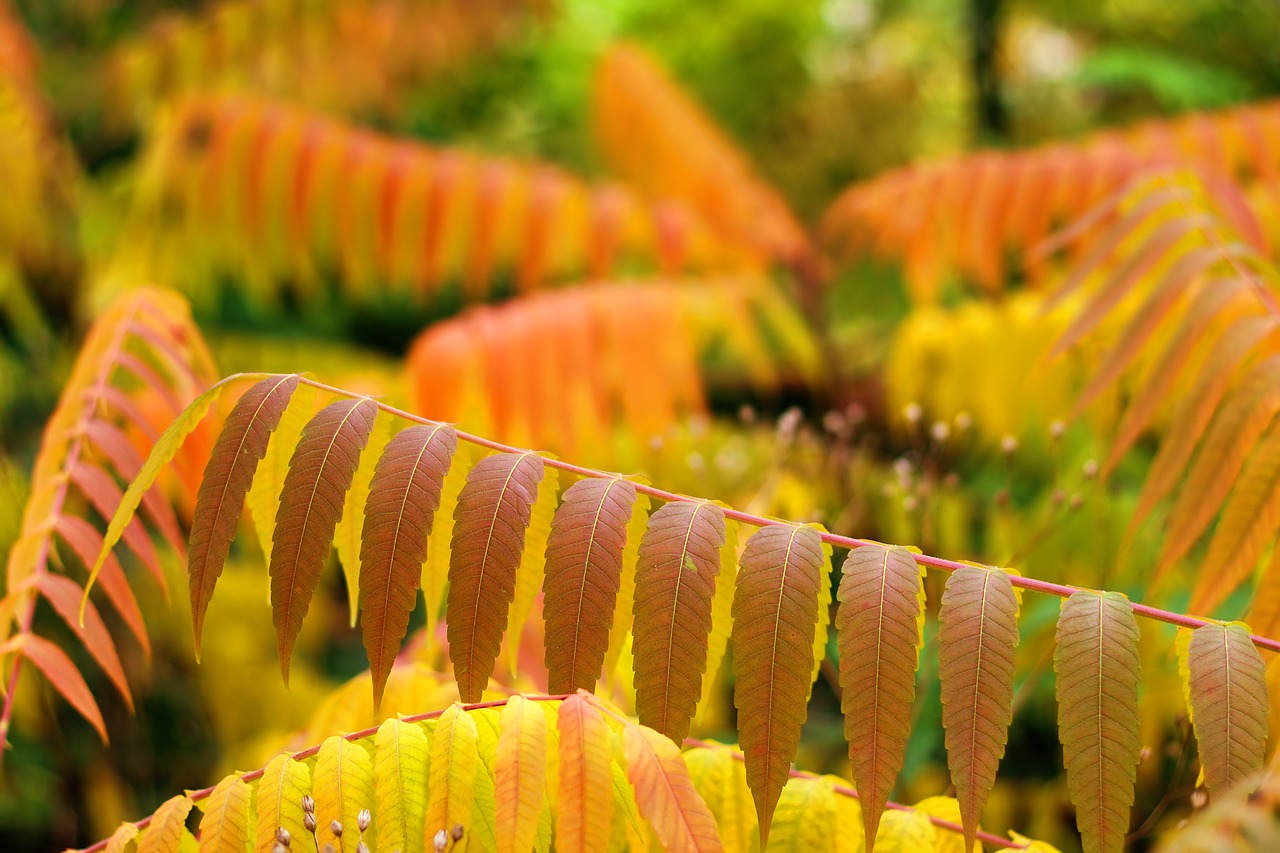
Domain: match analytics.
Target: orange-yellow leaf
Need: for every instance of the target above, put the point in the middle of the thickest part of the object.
(120, 839)
(454, 765)
(404, 495)
(664, 793)
(583, 574)
(167, 826)
(775, 617)
(675, 583)
(65, 678)
(488, 538)
(977, 643)
(1228, 695)
(520, 774)
(584, 811)
(319, 475)
(1097, 667)
(227, 476)
(878, 625)
(228, 813)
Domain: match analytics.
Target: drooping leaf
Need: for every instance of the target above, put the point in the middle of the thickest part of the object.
(404, 495)
(279, 800)
(101, 490)
(805, 820)
(1096, 665)
(168, 825)
(664, 793)
(454, 764)
(83, 538)
(529, 576)
(65, 596)
(228, 814)
(675, 584)
(879, 631)
(520, 774)
(584, 797)
(1228, 697)
(342, 784)
(401, 769)
(115, 446)
(264, 493)
(319, 475)
(349, 530)
(977, 643)
(220, 501)
(583, 574)
(721, 617)
(54, 664)
(488, 537)
(775, 617)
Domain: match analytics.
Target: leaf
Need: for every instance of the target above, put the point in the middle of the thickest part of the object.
(347, 534)
(585, 799)
(1248, 523)
(1236, 428)
(775, 617)
(977, 644)
(454, 764)
(264, 493)
(65, 678)
(279, 800)
(582, 578)
(101, 490)
(1228, 701)
(664, 793)
(905, 831)
(520, 774)
(66, 595)
(721, 618)
(116, 447)
(721, 780)
(342, 784)
(228, 813)
(1097, 669)
(878, 624)
(675, 584)
(319, 475)
(83, 538)
(401, 770)
(120, 839)
(488, 536)
(404, 495)
(619, 633)
(806, 817)
(824, 610)
(529, 575)
(167, 827)
(220, 501)
(849, 834)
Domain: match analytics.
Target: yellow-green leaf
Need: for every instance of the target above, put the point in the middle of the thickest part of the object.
(454, 764)
(279, 799)
(342, 784)
(1228, 699)
(805, 820)
(905, 831)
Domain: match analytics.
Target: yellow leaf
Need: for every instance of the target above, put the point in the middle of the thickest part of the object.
(279, 799)
(627, 589)
(805, 816)
(435, 571)
(721, 617)
(228, 814)
(264, 493)
(168, 824)
(532, 563)
(342, 784)
(907, 831)
(454, 765)
(350, 526)
(401, 768)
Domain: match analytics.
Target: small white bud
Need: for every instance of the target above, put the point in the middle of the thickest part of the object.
(336, 828)
(1008, 444)
(912, 412)
(1057, 428)
(363, 819)
(441, 840)
(1090, 469)
(940, 431)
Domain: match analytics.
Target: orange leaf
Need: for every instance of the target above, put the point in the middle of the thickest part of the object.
(584, 812)
(583, 575)
(404, 495)
(493, 513)
(65, 678)
(86, 542)
(520, 774)
(878, 626)
(665, 794)
(775, 618)
(675, 582)
(65, 594)
(220, 501)
(320, 473)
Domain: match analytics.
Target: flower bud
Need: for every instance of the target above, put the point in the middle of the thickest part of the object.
(336, 828)
(363, 819)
